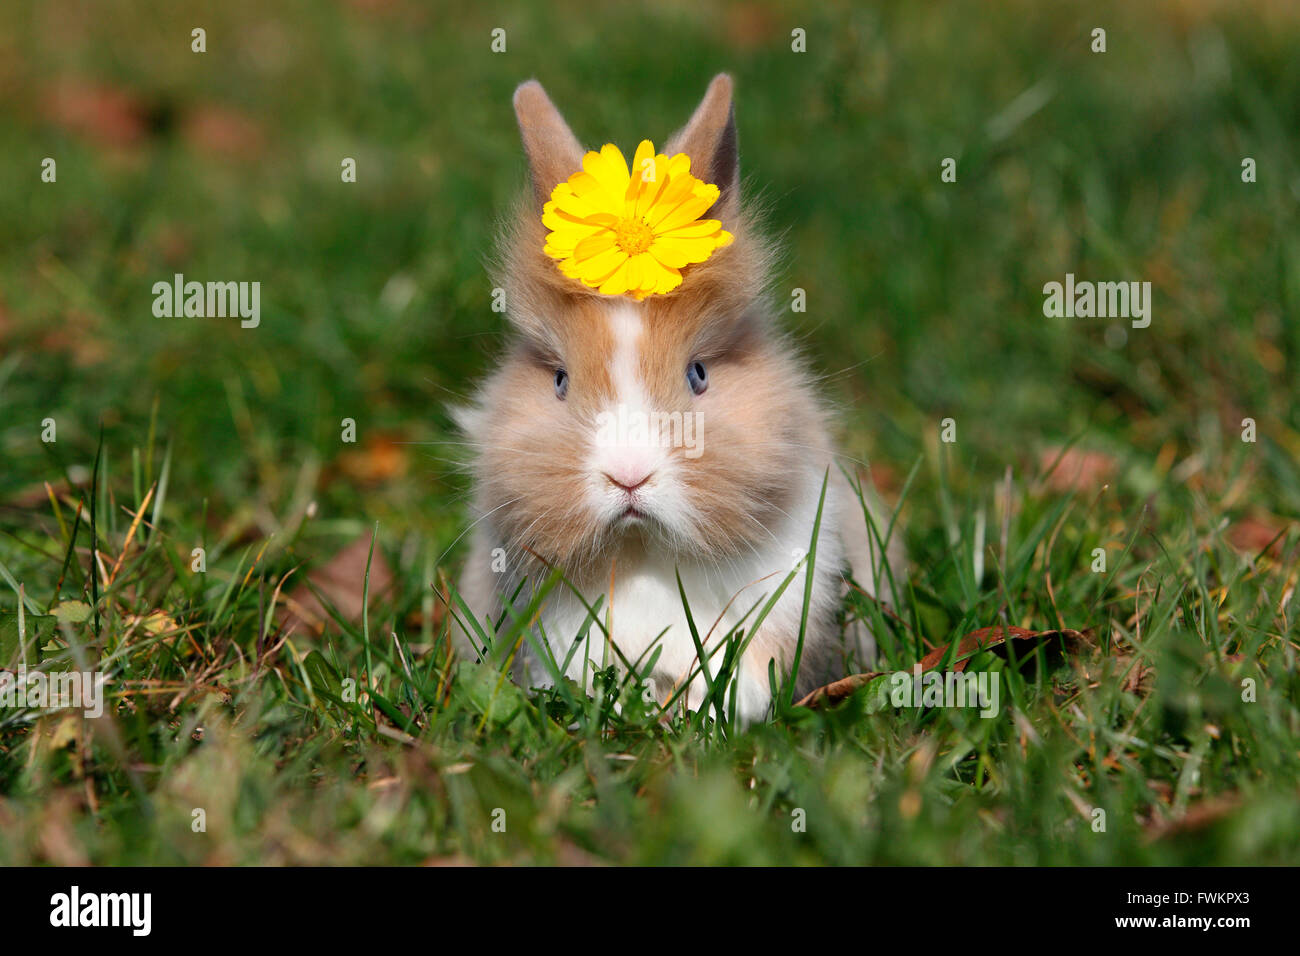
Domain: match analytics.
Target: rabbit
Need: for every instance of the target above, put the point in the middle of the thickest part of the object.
(729, 507)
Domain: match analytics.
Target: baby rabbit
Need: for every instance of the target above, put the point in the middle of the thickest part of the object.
(632, 436)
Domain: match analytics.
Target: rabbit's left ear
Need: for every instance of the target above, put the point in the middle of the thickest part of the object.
(710, 140)
(553, 151)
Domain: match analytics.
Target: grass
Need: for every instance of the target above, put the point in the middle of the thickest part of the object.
(924, 303)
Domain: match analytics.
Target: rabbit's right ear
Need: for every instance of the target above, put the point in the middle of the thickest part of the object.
(554, 153)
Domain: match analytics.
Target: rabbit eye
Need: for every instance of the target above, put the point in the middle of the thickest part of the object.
(561, 383)
(697, 377)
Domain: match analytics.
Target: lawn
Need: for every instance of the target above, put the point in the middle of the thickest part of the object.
(1138, 486)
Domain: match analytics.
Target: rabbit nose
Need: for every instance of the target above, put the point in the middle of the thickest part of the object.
(629, 481)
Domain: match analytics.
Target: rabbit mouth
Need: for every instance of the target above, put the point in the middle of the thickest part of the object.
(633, 516)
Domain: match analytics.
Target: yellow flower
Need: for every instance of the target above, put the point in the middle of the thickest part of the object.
(627, 232)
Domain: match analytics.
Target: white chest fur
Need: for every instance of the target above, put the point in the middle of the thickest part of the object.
(645, 610)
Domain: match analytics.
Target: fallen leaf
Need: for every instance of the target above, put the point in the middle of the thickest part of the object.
(1197, 817)
(381, 458)
(838, 690)
(1258, 535)
(1139, 678)
(38, 494)
(107, 115)
(172, 243)
(750, 27)
(341, 581)
(223, 131)
(60, 842)
(989, 637)
(77, 335)
(885, 479)
(72, 612)
(983, 639)
(36, 631)
(1076, 469)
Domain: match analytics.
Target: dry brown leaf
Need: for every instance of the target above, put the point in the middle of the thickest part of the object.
(223, 131)
(983, 639)
(750, 26)
(38, 495)
(341, 581)
(78, 335)
(1139, 677)
(382, 457)
(1076, 469)
(1199, 816)
(838, 690)
(104, 114)
(988, 637)
(884, 478)
(1255, 535)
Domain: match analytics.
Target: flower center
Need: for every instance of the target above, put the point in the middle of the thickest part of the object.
(633, 236)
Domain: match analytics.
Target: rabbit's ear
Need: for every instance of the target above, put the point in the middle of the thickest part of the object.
(554, 153)
(709, 139)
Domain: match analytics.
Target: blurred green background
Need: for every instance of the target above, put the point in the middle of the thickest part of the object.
(924, 298)
(924, 301)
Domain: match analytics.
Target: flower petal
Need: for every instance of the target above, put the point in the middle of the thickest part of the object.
(593, 244)
(616, 282)
(657, 276)
(642, 177)
(687, 211)
(635, 270)
(693, 230)
(668, 255)
(599, 266)
(694, 250)
(609, 169)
